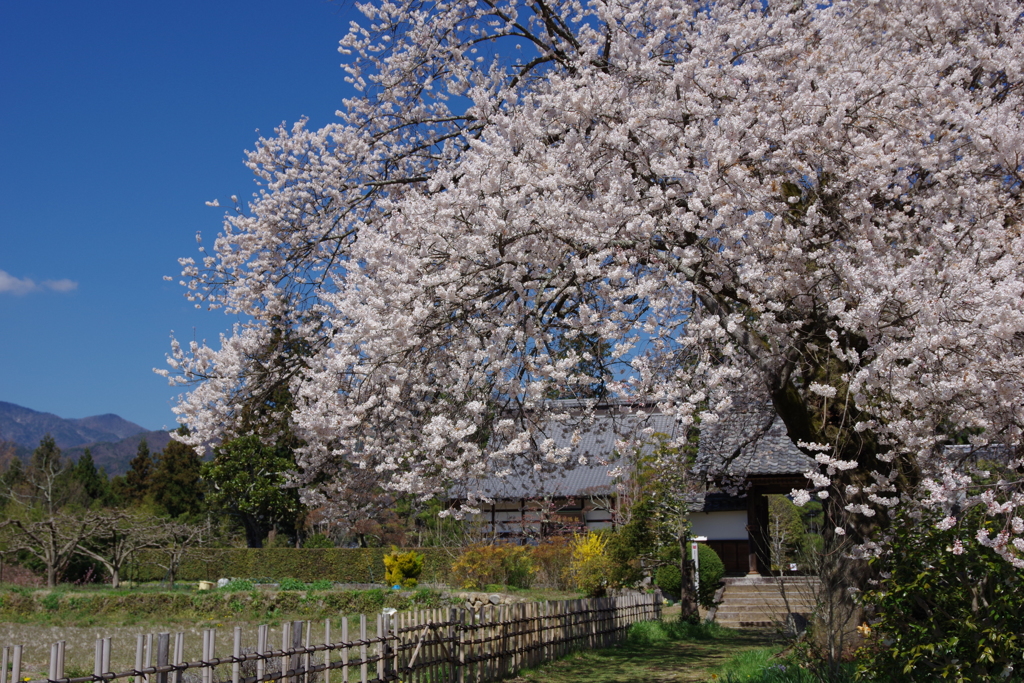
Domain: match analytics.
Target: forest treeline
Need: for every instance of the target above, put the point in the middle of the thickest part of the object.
(69, 521)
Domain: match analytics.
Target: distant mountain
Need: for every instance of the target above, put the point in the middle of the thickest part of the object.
(26, 427)
(112, 439)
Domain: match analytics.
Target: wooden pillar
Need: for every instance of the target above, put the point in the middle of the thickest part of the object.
(758, 560)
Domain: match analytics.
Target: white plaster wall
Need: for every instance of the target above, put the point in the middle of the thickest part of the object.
(720, 526)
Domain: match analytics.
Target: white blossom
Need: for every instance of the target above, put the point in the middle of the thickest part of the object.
(818, 203)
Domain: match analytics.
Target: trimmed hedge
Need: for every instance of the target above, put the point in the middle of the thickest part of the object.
(344, 565)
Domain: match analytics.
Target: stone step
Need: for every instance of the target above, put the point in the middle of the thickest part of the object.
(746, 615)
(760, 588)
(769, 598)
(757, 602)
(747, 624)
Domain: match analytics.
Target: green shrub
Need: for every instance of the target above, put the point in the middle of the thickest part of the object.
(552, 557)
(318, 541)
(51, 602)
(501, 565)
(947, 608)
(668, 577)
(709, 575)
(321, 585)
(239, 585)
(519, 566)
(403, 569)
(478, 566)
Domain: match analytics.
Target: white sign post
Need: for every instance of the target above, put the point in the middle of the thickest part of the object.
(696, 560)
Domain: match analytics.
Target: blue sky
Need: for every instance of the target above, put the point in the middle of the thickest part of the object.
(118, 121)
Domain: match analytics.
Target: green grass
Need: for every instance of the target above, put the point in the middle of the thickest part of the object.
(63, 607)
(655, 652)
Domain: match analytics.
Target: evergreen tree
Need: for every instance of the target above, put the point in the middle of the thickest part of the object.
(138, 479)
(247, 480)
(92, 481)
(175, 484)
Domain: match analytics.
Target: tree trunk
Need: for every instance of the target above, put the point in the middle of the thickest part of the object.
(687, 592)
(253, 531)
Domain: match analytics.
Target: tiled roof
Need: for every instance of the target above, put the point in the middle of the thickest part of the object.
(750, 440)
(587, 470)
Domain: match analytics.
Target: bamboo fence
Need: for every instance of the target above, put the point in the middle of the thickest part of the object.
(425, 646)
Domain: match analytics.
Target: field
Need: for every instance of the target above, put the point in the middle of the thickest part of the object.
(38, 618)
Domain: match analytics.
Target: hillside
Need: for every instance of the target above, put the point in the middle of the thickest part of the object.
(113, 439)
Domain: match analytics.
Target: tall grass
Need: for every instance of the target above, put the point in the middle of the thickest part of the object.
(762, 666)
(653, 632)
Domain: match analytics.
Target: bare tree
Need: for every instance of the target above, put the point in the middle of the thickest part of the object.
(53, 539)
(119, 537)
(36, 523)
(175, 540)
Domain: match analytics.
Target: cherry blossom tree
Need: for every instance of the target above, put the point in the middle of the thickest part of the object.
(817, 203)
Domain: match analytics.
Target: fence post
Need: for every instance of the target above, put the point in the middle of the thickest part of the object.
(106, 655)
(327, 650)
(295, 661)
(286, 639)
(236, 653)
(16, 665)
(3, 665)
(163, 648)
(179, 654)
(148, 658)
(362, 648)
(345, 651)
(307, 658)
(97, 666)
(462, 646)
(140, 650)
(261, 647)
(53, 662)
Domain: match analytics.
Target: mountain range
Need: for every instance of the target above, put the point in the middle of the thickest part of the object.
(112, 439)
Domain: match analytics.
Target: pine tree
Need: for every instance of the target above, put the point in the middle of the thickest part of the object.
(175, 484)
(92, 481)
(139, 476)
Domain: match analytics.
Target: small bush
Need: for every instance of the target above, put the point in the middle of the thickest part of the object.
(709, 575)
(500, 565)
(669, 578)
(321, 585)
(552, 558)
(51, 602)
(519, 566)
(402, 569)
(318, 541)
(291, 585)
(590, 565)
(239, 585)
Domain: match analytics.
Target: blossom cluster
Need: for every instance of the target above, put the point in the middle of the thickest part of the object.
(817, 202)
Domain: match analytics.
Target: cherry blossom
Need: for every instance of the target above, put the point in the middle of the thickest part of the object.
(820, 205)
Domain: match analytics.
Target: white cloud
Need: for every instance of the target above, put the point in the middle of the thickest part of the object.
(64, 285)
(14, 285)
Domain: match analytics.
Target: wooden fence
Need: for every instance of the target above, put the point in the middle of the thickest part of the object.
(439, 645)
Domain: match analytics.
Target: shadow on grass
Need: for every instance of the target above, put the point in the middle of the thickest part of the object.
(667, 660)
